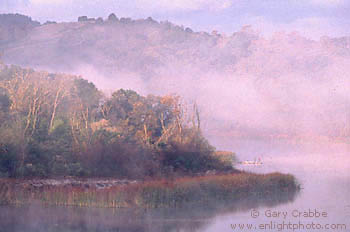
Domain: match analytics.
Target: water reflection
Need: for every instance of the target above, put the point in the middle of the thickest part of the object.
(34, 218)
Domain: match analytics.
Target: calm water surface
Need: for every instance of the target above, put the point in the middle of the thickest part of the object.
(324, 173)
(322, 170)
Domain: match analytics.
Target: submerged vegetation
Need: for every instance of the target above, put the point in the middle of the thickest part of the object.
(179, 193)
(58, 125)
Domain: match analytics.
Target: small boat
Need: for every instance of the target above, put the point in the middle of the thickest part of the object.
(255, 162)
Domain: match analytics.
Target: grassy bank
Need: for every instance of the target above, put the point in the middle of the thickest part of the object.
(151, 194)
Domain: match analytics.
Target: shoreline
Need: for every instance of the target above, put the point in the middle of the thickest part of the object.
(175, 193)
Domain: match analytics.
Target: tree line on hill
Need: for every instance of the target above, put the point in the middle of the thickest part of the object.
(61, 125)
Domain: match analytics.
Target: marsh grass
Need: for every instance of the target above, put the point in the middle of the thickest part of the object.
(153, 194)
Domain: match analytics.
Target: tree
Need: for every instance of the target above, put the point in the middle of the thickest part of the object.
(82, 18)
(55, 124)
(112, 17)
(84, 107)
(5, 104)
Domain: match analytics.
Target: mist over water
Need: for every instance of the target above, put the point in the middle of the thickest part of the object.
(284, 99)
(321, 170)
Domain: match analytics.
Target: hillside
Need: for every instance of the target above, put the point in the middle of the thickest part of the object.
(15, 27)
(125, 45)
(144, 46)
(270, 80)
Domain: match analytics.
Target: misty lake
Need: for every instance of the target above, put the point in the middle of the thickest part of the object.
(322, 171)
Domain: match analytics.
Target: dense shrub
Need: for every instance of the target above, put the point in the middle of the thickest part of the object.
(192, 154)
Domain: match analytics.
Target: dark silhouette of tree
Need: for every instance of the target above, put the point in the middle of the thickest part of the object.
(112, 17)
(82, 19)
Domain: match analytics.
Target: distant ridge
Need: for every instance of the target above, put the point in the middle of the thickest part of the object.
(287, 84)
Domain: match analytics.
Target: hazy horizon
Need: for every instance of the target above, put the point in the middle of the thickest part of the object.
(312, 18)
(248, 84)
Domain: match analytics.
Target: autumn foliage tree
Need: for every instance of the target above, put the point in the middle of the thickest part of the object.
(55, 124)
